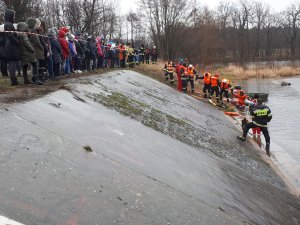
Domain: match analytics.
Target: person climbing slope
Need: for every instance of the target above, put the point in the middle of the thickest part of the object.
(261, 117)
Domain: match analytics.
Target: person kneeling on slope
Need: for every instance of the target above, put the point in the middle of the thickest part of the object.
(261, 117)
(191, 72)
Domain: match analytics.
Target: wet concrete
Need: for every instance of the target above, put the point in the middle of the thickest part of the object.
(138, 172)
(284, 127)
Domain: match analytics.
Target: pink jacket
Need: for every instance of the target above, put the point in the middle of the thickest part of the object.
(99, 49)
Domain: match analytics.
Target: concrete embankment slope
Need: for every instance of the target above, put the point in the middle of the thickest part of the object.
(159, 157)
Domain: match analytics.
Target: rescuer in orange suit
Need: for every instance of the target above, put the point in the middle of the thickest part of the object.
(225, 85)
(169, 68)
(206, 84)
(191, 73)
(241, 96)
(179, 82)
(215, 83)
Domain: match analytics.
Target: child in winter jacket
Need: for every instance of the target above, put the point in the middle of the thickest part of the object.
(65, 51)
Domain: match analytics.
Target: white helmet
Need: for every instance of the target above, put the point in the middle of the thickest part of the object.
(154, 47)
(225, 81)
(190, 66)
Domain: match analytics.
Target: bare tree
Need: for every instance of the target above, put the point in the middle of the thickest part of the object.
(261, 12)
(132, 19)
(224, 10)
(24, 8)
(291, 26)
(243, 13)
(164, 16)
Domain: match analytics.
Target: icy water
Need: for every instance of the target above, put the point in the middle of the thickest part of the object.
(284, 128)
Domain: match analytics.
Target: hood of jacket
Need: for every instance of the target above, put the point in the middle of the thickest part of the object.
(22, 27)
(9, 15)
(33, 23)
(61, 34)
(65, 29)
(52, 33)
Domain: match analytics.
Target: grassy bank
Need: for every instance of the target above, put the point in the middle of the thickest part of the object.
(233, 73)
(237, 73)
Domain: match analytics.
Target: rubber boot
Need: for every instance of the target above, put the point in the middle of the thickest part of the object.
(268, 149)
(241, 138)
(41, 78)
(37, 81)
(14, 81)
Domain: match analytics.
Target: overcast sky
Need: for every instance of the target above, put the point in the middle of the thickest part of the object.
(277, 5)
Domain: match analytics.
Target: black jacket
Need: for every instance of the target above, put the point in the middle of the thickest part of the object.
(2, 45)
(56, 50)
(12, 44)
(261, 115)
(79, 49)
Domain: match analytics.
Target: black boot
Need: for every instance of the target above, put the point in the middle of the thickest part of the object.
(241, 138)
(41, 78)
(14, 81)
(37, 81)
(268, 149)
(25, 77)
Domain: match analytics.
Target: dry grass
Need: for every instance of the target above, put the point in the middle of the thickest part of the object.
(155, 71)
(236, 73)
(4, 83)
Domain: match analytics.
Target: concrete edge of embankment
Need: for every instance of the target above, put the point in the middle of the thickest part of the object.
(272, 161)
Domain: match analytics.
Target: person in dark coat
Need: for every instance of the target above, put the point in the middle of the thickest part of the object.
(3, 60)
(142, 54)
(111, 56)
(12, 46)
(33, 26)
(91, 54)
(147, 55)
(154, 55)
(56, 54)
(28, 55)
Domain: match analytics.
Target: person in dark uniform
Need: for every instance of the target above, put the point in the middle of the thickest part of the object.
(261, 117)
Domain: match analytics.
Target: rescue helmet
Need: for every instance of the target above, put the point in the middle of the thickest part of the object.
(154, 47)
(190, 66)
(239, 87)
(225, 81)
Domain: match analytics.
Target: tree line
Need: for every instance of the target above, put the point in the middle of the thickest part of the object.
(247, 30)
